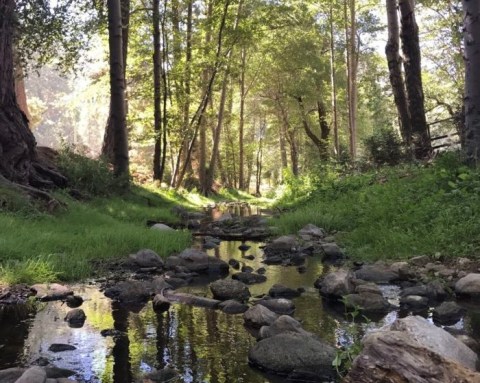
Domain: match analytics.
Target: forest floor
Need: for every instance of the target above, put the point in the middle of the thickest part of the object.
(388, 213)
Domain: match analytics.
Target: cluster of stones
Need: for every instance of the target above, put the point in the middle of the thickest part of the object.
(411, 349)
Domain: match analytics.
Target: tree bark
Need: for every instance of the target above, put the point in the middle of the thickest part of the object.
(241, 125)
(108, 138)
(20, 166)
(471, 10)
(413, 78)
(392, 51)
(157, 84)
(117, 89)
(333, 84)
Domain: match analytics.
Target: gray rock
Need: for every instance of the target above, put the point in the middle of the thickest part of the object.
(233, 307)
(436, 339)
(313, 231)
(60, 347)
(448, 313)
(225, 289)
(161, 227)
(234, 263)
(284, 323)
(225, 217)
(33, 375)
(434, 291)
(284, 243)
(281, 291)
(336, 284)
(397, 357)
(130, 292)
(57, 373)
(279, 306)
(249, 278)
(370, 288)
(366, 302)
(160, 283)
(378, 273)
(332, 253)
(10, 375)
(51, 292)
(76, 318)
(160, 304)
(197, 261)
(146, 258)
(74, 301)
(419, 261)
(414, 302)
(468, 285)
(294, 354)
(258, 316)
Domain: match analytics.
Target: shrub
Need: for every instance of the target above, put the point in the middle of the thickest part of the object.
(384, 147)
(89, 176)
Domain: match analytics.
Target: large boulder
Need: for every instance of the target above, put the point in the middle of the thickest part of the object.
(284, 243)
(10, 375)
(311, 230)
(189, 299)
(397, 357)
(225, 289)
(33, 375)
(378, 273)
(284, 323)
(130, 293)
(249, 278)
(336, 284)
(51, 291)
(161, 227)
(279, 306)
(299, 356)
(76, 318)
(468, 286)
(146, 258)
(281, 291)
(233, 307)
(436, 340)
(258, 316)
(197, 261)
(332, 254)
(448, 313)
(367, 302)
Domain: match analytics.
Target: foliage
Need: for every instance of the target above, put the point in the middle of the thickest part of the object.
(346, 354)
(88, 176)
(399, 212)
(384, 147)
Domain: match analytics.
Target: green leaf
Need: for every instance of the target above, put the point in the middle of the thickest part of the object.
(452, 184)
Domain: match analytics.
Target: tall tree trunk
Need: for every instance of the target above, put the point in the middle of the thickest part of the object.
(20, 92)
(20, 166)
(157, 101)
(392, 51)
(352, 56)
(108, 138)
(283, 149)
(333, 84)
(471, 10)
(258, 178)
(203, 127)
(117, 89)
(241, 125)
(413, 78)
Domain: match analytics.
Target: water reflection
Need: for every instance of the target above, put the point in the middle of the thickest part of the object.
(203, 345)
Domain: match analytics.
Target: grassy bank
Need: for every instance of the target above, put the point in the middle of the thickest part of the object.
(396, 213)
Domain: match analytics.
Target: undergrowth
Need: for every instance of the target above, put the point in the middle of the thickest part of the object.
(397, 212)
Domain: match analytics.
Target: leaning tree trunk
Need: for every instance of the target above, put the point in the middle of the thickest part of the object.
(413, 77)
(472, 79)
(392, 51)
(20, 166)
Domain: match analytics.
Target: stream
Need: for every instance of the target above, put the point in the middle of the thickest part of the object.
(202, 345)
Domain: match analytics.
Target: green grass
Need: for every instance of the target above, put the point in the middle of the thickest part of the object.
(397, 213)
(62, 246)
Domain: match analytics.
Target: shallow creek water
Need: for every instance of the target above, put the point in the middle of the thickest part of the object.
(203, 345)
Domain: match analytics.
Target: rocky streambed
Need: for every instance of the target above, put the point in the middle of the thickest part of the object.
(244, 311)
